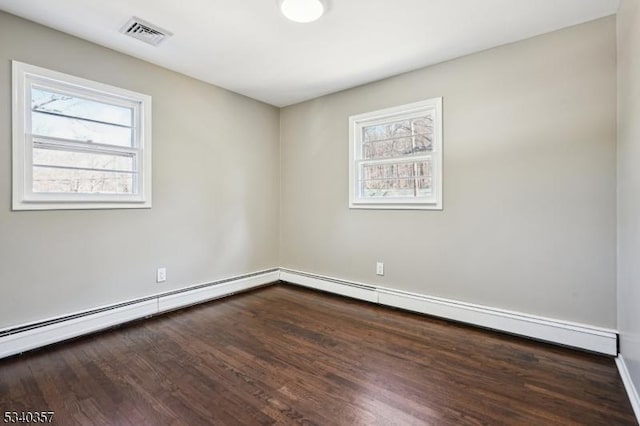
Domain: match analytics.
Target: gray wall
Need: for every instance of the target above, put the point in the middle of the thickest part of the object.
(529, 220)
(529, 187)
(629, 185)
(215, 191)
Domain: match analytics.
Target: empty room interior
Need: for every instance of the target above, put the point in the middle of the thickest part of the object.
(327, 212)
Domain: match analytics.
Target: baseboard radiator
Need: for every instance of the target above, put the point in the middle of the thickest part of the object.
(580, 336)
(20, 339)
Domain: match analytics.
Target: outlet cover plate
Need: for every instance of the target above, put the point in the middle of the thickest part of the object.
(161, 275)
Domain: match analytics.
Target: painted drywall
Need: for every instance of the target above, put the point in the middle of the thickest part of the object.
(629, 186)
(529, 221)
(215, 191)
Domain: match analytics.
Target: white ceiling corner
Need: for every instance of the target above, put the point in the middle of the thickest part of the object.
(249, 47)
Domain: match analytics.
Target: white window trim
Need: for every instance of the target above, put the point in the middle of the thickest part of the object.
(356, 122)
(22, 160)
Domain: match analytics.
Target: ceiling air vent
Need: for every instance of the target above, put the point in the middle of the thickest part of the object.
(145, 31)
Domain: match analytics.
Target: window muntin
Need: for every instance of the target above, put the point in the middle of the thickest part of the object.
(396, 157)
(78, 143)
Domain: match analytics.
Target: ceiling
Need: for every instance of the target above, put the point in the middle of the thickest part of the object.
(247, 46)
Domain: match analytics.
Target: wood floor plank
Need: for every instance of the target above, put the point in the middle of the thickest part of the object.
(285, 355)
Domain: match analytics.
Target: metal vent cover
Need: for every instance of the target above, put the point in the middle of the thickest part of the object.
(145, 31)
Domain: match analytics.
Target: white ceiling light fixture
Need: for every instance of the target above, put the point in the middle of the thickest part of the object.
(302, 11)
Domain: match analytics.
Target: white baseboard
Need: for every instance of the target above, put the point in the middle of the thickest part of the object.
(565, 333)
(354, 290)
(32, 336)
(209, 292)
(632, 392)
(41, 336)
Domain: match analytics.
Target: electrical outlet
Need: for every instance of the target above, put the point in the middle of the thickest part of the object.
(161, 275)
(380, 268)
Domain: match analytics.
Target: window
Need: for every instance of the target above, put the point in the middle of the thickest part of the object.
(78, 144)
(395, 157)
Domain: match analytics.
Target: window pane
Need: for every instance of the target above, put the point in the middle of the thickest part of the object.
(80, 130)
(423, 125)
(386, 131)
(87, 160)
(47, 179)
(397, 147)
(404, 188)
(48, 101)
(396, 170)
(400, 180)
(397, 129)
(402, 138)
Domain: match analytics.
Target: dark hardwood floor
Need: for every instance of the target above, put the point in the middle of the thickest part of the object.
(287, 355)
